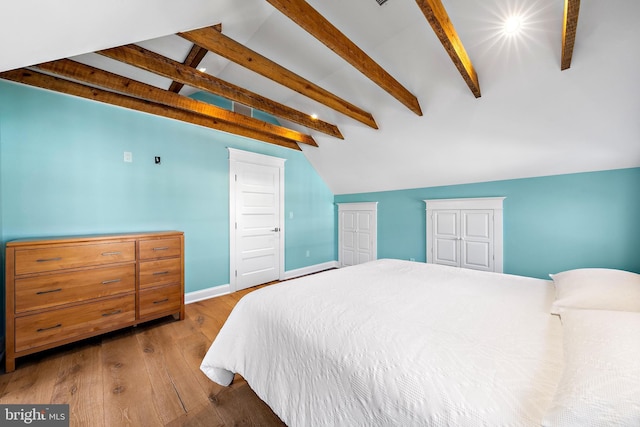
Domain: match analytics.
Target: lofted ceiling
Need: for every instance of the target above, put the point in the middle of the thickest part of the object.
(547, 105)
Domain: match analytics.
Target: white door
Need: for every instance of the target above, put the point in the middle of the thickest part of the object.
(349, 238)
(357, 233)
(256, 220)
(364, 237)
(477, 240)
(446, 237)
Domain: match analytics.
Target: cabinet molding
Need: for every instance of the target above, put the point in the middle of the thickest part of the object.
(64, 289)
(494, 203)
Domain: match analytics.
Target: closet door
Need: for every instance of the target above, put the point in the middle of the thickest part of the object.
(476, 239)
(364, 237)
(446, 237)
(465, 233)
(348, 238)
(357, 233)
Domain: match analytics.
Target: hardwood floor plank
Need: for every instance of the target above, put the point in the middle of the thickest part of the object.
(168, 403)
(260, 413)
(210, 317)
(193, 351)
(239, 404)
(5, 379)
(173, 380)
(34, 382)
(128, 395)
(79, 384)
(203, 416)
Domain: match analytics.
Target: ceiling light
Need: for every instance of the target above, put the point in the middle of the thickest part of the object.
(314, 116)
(202, 69)
(512, 25)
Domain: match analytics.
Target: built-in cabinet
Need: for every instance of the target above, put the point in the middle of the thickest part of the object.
(465, 233)
(61, 290)
(357, 233)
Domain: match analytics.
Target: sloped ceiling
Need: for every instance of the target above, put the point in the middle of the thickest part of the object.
(531, 120)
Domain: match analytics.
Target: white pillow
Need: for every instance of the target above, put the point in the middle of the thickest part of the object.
(597, 288)
(600, 384)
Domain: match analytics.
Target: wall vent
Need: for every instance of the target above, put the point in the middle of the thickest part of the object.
(242, 109)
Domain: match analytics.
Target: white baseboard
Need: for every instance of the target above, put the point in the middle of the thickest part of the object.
(292, 274)
(217, 291)
(204, 294)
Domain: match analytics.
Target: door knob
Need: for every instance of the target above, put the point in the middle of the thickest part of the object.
(276, 229)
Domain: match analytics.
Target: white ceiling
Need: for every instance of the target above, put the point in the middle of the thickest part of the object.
(531, 120)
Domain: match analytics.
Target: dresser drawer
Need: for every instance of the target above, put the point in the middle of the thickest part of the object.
(156, 301)
(160, 272)
(160, 248)
(53, 258)
(56, 325)
(34, 293)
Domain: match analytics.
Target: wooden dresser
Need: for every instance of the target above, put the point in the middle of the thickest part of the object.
(61, 290)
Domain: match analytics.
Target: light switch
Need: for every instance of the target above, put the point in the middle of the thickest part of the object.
(128, 157)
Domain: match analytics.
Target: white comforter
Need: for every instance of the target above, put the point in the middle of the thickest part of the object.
(396, 343)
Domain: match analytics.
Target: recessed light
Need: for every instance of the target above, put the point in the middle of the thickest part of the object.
(202, 69)
(512, 25)
(314, 116)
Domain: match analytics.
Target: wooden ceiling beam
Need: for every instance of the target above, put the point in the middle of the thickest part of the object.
(37, 79)
(106, 80)
(142, 58)
(319, 27)
(438, 18)
(193, 59)
(569, 27)
(215, 41)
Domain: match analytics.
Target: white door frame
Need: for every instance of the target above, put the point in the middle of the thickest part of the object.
(239, 156)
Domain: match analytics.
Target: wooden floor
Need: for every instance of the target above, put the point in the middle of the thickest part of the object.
(143, 376)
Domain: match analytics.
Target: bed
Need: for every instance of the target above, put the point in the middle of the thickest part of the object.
(399, 343)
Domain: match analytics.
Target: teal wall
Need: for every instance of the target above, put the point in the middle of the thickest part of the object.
(62, 173)
(551, 223)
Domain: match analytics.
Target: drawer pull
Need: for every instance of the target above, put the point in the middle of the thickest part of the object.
(158, 273)
(48, 292)
(59, 325)
(164, 248)
(106, 282)
(161, 301)
(111, 313)
(49, 259)
(111, 253)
